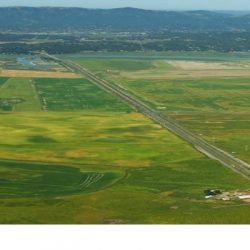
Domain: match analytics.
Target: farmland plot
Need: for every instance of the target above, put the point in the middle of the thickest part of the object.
(87, 157)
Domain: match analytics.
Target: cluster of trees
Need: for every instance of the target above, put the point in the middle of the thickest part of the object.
(26, 37)
(72, 30)
(156, 41)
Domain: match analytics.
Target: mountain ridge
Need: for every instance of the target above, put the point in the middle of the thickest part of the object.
(61, 19)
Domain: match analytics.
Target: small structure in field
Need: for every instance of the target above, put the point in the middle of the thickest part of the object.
(244, 197)
(227, 195)
(209, 193)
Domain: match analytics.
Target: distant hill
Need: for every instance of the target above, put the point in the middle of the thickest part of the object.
(27, 19)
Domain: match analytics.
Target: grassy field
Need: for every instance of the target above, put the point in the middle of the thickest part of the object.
(19, 94)
(147, 175)
(118, 140)
(114, 64)
(163, 55)
(88, 158)
(111, 65)
(218, 109)
(3, 80)
(75, 94)
(26, 179)
(203, 96)
(228, 131)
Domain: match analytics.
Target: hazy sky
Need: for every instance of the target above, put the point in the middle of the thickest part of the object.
(146, 4)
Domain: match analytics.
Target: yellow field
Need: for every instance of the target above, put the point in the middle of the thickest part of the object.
(37, 74)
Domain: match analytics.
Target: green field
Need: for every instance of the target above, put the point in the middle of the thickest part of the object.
(111, 65)
(19, 94)
(205, 95)
(173, 55)
(215, 107)
(98, 139)
(169, 194)
(82, 156)
(75, 94)
(3, 80)
(217, 110)
(228, 131)
(148, 174)
(26, 179)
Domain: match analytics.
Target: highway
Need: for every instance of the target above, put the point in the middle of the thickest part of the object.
(200, 144)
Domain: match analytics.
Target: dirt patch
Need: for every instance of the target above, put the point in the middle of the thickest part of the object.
(114, 221)
(136, 115)
(132, 163)
(78, 153)
(165, 194)
(195, 65)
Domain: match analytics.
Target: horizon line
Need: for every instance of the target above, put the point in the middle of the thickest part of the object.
(125, 7)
